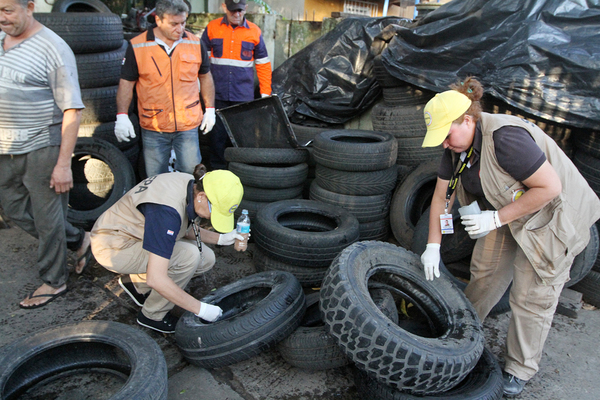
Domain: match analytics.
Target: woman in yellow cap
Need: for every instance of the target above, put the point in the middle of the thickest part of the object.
(152, 234)
(537, 214)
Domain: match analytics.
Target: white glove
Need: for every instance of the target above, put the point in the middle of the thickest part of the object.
(209, 313)
(226, 239)
(431, 261)
(208, 120)
(124, 128)
(484, 223)
(262, 95)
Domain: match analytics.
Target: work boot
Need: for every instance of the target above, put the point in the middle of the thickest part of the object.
(511, 385)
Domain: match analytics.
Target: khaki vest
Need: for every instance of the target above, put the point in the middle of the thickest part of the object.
(123, 222)
(167, 87)
(554, 235)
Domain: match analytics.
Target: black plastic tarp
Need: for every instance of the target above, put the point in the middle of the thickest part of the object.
(542, 57)
(331, 79)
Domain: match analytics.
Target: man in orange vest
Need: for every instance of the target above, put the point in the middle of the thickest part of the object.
(236, 47)
(165, 64)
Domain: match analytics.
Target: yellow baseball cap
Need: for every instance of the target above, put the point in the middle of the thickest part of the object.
(440, 112)
(224, 191)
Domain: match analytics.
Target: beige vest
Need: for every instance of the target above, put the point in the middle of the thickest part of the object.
(554, 235)
(123, 223)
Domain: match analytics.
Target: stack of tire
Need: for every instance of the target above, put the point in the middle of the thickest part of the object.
(301, 237)
(267, 174)
(356, 170)
(587, 159)
(436, 347)
(102, 166)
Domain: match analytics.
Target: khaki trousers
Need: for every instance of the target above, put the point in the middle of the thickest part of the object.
(185, 263)
(496, 262)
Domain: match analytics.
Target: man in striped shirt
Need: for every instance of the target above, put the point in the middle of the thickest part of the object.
(40, 110)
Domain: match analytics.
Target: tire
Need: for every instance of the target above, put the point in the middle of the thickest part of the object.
(355, 150)
(374, 230)
(406, 96)
(251, 155)
(411, 151)
(454, 247)
(357, 183)
(484, 382)
(364, 208)
(401, 122)
(410, 200)
(589, 286)
(406, 361)
(271, 195)
(587, 142)
(124, 178)
(100, 104)
(85, 32)
(111, 347)
(62, 6)
(251, 206)
(318, 232)
(270, 177)
(259, 311)
(106, 131)
(383, 77)
(100, 69)
(312, 348)
(584, 261)
(589, 167)
(307, 276)
(305, 134)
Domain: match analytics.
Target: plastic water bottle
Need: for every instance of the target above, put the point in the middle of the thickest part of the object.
(243, 228)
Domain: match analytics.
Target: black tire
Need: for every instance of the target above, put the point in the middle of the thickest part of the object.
(100, 104)
(286, 230)
(410, 200)
(374, 230)
(311, 347)
(411, 151)
(257, 156)
(589, 167)
(124, 178)
(80, 6)
(251, 206)
(106, 131)
(305, 134)
(406, 96)
(406, 361)
(484, 382)
(357, 183)
(270, 177)
(364, 208)
(355, 150)
(110, 346)
(259, 311)
(587, 142)
(383, 77)
(584, 261)
(307, 276)
(401, 122)
(454, 247)
(100, 69)
(85, 32)
(271, 195)
(589, 286)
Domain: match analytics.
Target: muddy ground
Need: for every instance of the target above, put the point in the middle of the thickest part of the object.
(569, 366)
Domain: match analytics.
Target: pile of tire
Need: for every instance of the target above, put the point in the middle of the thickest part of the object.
(301, 237)
(267, 174)
(102, 172)
(356, 170)
(435, 350)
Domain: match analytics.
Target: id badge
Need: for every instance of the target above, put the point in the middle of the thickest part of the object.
(447, 224)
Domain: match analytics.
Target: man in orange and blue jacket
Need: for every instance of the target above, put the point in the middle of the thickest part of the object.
(236, 47)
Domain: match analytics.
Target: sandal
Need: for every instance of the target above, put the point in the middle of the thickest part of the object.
(87, 256)
(51, 297)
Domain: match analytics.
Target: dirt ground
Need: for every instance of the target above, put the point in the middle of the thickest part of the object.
(569, 367)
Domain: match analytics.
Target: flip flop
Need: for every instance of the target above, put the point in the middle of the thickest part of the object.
(51, 297)
(87, 256)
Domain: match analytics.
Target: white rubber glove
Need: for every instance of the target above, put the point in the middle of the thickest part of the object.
(209, 313)
(484, 223)
(431, 261)
(226, 239)
(124, 128)
(262, 95)
(208, 120)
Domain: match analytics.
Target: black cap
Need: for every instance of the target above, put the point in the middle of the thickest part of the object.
(233, 5)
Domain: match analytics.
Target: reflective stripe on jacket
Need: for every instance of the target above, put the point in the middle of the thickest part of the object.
(167, 89)
(233, 54)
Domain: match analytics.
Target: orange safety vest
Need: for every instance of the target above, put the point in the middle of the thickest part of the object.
(168, 89)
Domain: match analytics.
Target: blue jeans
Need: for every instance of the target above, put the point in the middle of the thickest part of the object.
(157, 151)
